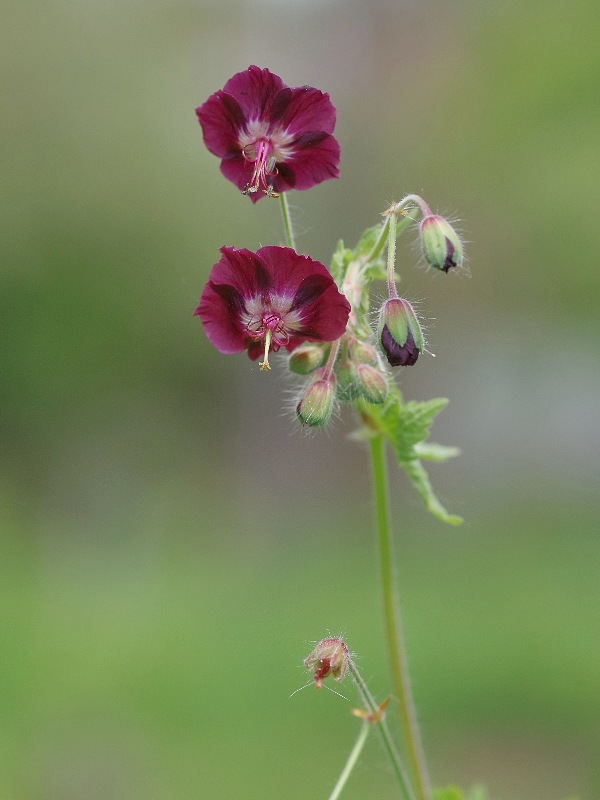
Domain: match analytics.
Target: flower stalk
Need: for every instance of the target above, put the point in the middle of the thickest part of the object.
(393, 625)
(391, 256)
(352, 760)
(290, 239)
(378, 718)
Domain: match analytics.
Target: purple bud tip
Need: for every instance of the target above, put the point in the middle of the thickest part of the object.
(442, 246)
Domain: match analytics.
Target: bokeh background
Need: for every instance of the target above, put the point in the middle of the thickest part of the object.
(171, 544)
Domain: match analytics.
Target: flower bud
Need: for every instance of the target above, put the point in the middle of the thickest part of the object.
(442, 246)
(329, 657)
(345, 372)
(363, 353)
(306, 358)
(399, 332)
(315, 407)
(372, 383)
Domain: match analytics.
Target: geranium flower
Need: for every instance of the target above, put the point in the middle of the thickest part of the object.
(270, 299)
(270, 138)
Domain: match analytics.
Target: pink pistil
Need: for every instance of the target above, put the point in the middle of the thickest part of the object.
(322, 672)
(264, 165)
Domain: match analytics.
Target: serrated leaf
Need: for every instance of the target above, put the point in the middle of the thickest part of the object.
(409, 423)
(339, 262)
(420, 480)
(430, 451)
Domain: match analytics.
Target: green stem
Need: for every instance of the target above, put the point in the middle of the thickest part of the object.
(388, 742)
(383, 235)
(393, 625)
(287, 221)
(351, 762)
(391, 257)
(380, 243)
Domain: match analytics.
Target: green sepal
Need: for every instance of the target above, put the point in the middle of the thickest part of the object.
(420, 480)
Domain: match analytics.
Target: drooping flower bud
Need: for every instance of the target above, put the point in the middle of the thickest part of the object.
(307, 358)
(363, 353)
(372, 383)
(345, 371)
(399, 332)
(316, 405)
(442, 246)
(329, 657)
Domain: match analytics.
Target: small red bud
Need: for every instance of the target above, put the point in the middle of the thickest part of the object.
(329, 657)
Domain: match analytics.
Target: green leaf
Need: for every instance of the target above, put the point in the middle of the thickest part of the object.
(409, 423)
(429, 451)
(367, 242)
(376, 271)
(339, 262)
(420, 480)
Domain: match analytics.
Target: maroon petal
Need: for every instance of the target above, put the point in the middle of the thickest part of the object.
(326, 318)
(254, 89)
(315, 159)
(279, 106)
(221, 118)
(235, 278)
(221, 318)
(288, 269)
(310, 290)
(324, 310)
(243, 270)
(309, 110)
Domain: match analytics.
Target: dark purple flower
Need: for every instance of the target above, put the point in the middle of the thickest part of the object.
(270, 138)
(270, 299)
(399, 332)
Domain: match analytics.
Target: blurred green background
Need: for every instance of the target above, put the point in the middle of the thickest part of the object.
(171, 543)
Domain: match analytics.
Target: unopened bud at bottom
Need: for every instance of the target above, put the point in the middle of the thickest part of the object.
(316, 405)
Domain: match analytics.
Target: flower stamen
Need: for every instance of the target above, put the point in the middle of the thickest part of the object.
(259, 153)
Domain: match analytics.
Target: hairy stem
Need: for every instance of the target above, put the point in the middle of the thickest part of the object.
(388, 742)
(391, 257)
(393, 626)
